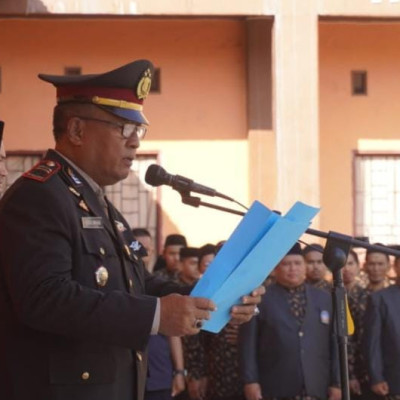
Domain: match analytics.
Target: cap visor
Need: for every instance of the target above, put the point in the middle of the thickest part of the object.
(130, 115)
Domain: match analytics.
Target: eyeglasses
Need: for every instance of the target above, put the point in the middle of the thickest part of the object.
(127, 129)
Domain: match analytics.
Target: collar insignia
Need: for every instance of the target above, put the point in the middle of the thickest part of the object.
(74, 191)
(72, 175)
(83, 205)
(120, 226)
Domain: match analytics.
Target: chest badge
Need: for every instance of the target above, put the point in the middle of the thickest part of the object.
(101, 275)
(325, 317)
(135, 245)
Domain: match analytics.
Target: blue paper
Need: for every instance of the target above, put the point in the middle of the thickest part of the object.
(257, 245)
(257, 220)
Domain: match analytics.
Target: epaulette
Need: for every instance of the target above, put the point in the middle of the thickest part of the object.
(43, 170)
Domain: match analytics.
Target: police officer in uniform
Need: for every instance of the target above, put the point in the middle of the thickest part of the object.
(77, 305)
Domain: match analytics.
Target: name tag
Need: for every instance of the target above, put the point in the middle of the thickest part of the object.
(92, 222)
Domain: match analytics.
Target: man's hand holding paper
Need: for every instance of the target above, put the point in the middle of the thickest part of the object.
(256, 246)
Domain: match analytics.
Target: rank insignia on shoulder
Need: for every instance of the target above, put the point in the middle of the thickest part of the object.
(43, 170)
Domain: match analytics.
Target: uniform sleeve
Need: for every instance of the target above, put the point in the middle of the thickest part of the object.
(51, 287)
(371, 342)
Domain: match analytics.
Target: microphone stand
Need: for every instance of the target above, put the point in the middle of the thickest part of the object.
(335, 255)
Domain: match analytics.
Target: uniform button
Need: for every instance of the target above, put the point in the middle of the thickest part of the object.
(102, 251)
(301, 334)
(85, 376)
(130, 283)
(139, 356)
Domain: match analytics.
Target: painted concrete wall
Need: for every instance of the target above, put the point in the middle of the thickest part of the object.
(349, 123)
(200, 7)
(198, 122)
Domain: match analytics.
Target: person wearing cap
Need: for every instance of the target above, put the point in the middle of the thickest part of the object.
(287, 350)
(206, 256)
(167, 264)
(189, 265)
(355, 294)
(381, 340)
(77, 305)
(3, 167)
(316, 270)
(376, 267)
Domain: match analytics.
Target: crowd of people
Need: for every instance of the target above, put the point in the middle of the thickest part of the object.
(85, 316)
(289, 351)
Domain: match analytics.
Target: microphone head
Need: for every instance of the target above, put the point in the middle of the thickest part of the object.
(155, 175)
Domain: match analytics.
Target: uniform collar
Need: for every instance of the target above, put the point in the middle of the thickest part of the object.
(95, 186)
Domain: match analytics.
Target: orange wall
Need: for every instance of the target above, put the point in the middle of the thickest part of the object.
(198, 122)
(347, 121)
(202, 61)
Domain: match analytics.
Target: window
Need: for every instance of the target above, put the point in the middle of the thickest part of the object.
(156, 81)
(377, 197)
(72, 71)
(359, 83)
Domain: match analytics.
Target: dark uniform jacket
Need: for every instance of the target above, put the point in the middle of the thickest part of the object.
(75, 316)
(381, 341)
(283, 357)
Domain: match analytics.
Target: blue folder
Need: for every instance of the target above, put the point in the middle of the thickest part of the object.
(256, 246)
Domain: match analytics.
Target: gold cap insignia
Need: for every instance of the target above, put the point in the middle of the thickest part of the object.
(143, 87)
(101, 276)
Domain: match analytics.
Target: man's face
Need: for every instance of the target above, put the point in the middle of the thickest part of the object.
(350, 270)
(291, 271)
(190, 269)
(316, 269)
(3, 170)
(171, 256)
(376, 266)
(205, 262)
(108, 155)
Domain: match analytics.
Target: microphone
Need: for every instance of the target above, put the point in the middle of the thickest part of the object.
(157, 175)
